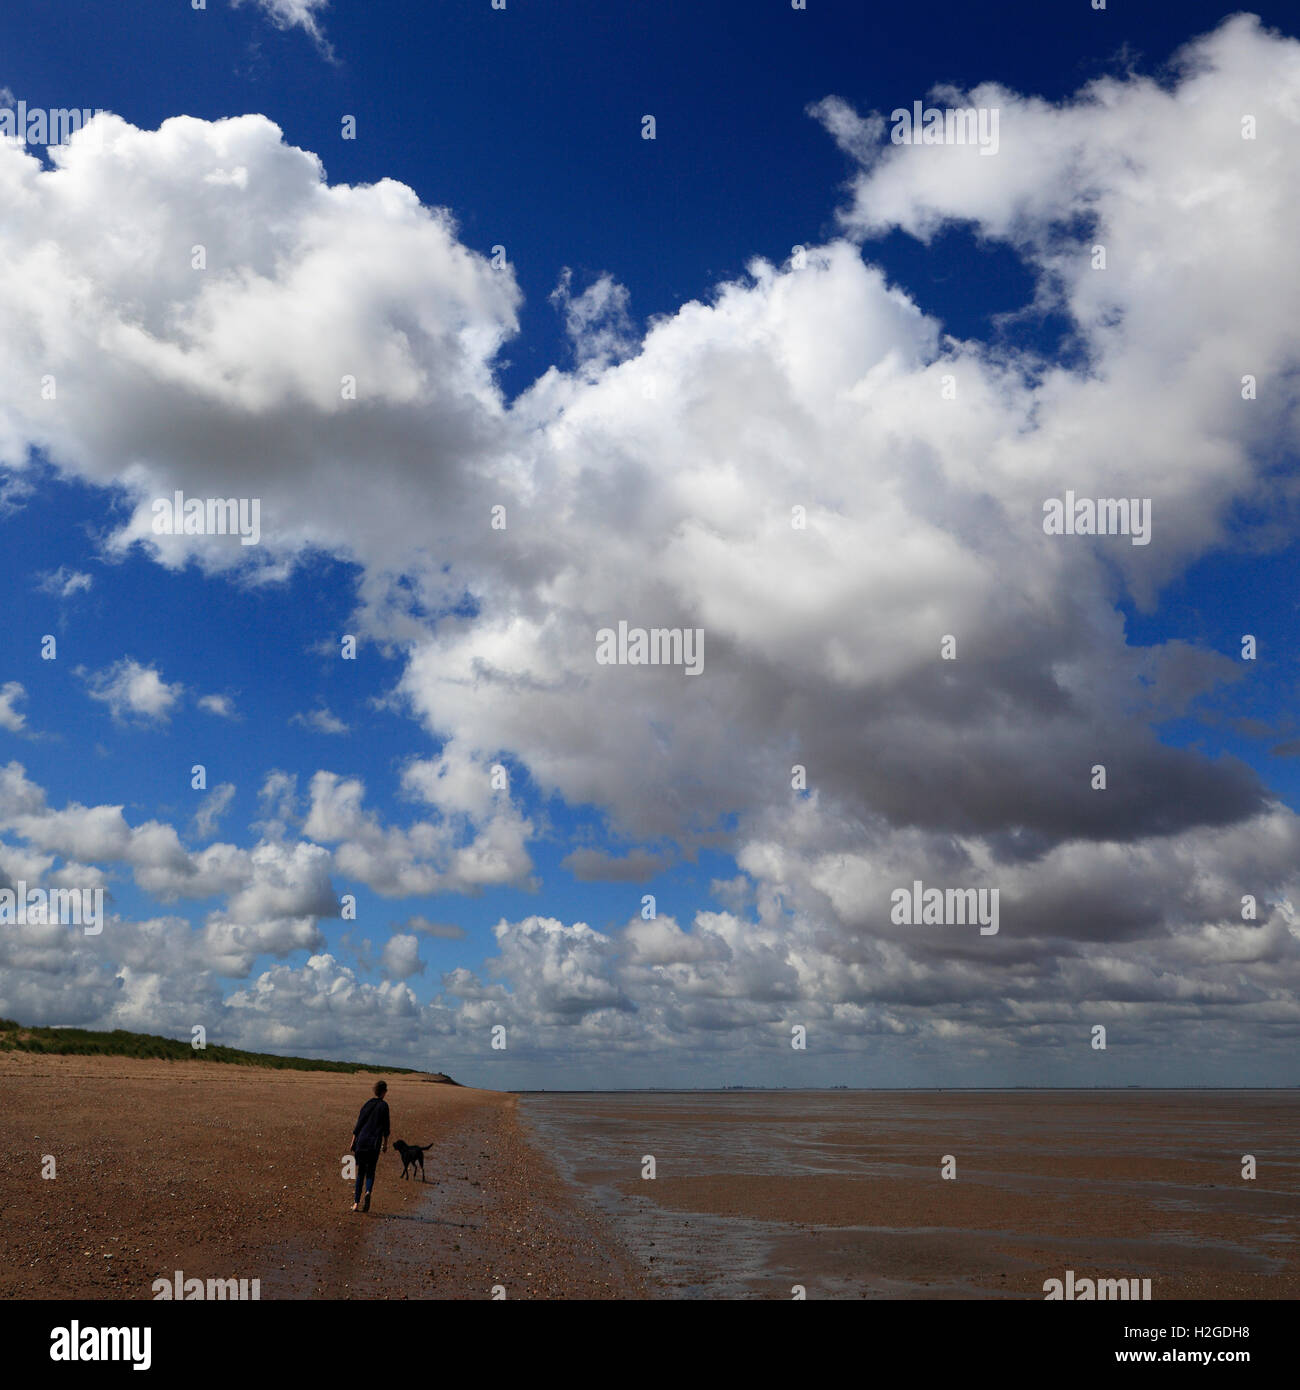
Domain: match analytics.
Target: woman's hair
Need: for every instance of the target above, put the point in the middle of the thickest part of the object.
(380, 1087)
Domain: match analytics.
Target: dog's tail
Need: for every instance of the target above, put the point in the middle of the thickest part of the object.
(429, 1145)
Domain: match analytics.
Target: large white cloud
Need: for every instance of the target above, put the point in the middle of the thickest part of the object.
(169, 377)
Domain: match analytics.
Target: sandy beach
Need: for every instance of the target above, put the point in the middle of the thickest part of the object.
(232, 1172)
(236, 1172)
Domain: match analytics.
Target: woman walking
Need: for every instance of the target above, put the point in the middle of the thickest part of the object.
(369, 1140)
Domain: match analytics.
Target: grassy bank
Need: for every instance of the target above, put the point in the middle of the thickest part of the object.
(15, 1037)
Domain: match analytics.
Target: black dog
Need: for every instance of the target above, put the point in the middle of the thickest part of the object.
(412, 1155)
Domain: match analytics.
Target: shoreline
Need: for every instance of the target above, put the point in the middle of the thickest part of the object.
(236, 1173)
(233, 1172)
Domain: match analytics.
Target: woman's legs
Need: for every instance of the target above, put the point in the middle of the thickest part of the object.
(366, 1161)
(372, 1160)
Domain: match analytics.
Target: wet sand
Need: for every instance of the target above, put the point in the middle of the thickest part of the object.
(842, 1193)
(230, 1172)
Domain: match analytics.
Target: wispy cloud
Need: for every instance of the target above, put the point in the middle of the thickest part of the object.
(213, 807)
(64, 582)
(322, 721)
(295, 14)
(221, 705)
(595, 866)
(10, 718)
(442, 931)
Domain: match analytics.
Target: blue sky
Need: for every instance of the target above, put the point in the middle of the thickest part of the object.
(526, 125)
